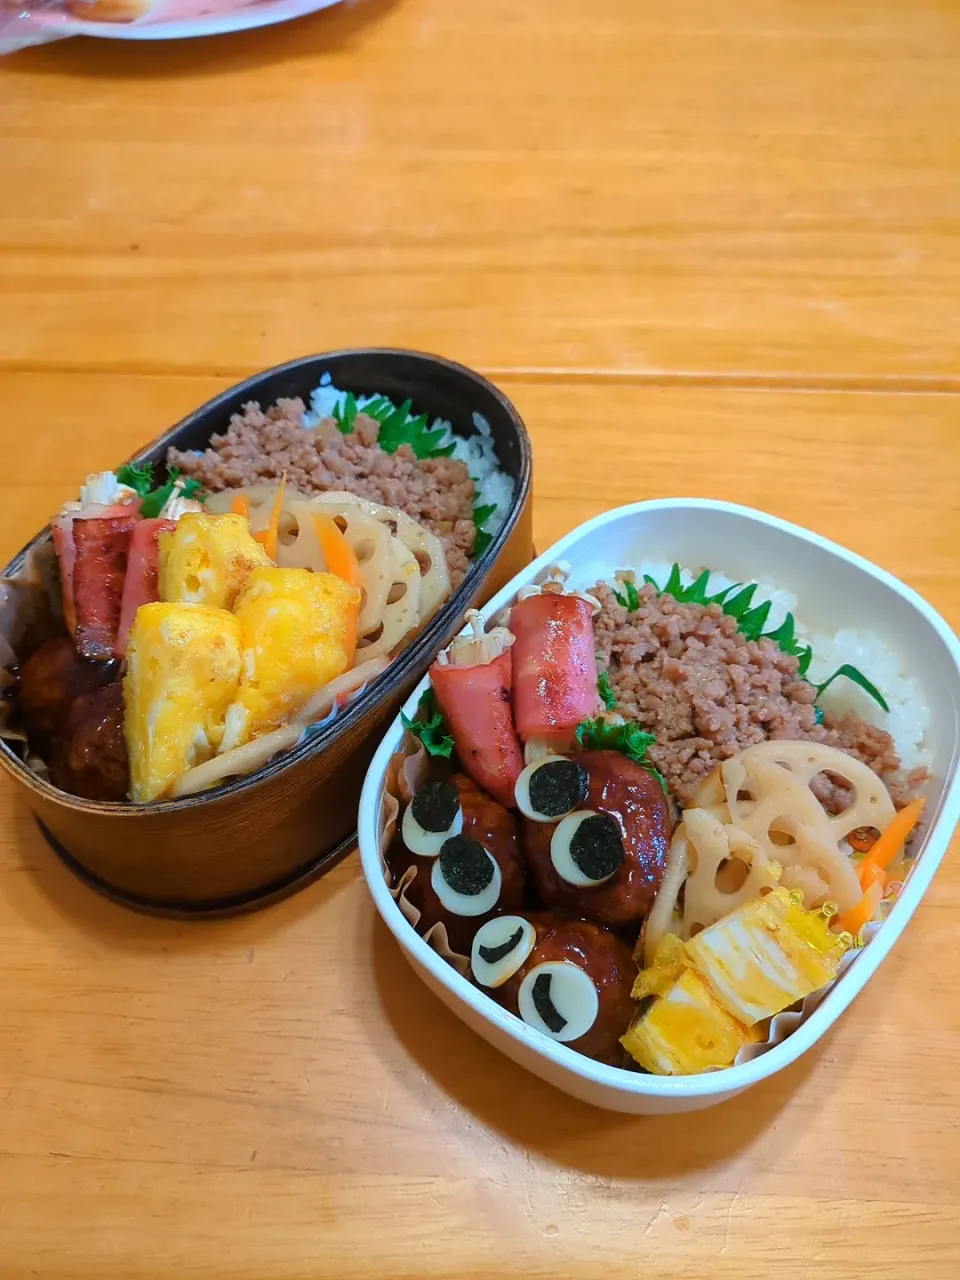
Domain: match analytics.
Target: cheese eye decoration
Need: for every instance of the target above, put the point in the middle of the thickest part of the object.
(559, 999)
(499, 948)
(466, 878)
(550, 788)
(586, 848)
(431, 818)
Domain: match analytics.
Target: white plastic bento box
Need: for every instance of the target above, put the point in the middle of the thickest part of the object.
(835, 589)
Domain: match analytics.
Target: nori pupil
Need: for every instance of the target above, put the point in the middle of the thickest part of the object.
(596, 847)
(557, 787)
(465, 865)
(435, 806)
(493, 954)
(548, 1011)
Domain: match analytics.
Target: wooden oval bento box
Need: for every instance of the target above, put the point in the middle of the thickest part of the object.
(259, 837)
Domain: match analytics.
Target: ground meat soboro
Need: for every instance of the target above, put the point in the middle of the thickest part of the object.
(258, 447)
(684, 672)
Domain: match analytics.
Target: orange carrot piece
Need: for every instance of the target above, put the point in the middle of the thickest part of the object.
(872, 876)
(337, 551)
(891, 841)
(852, 921)
(269, 538)
(240, 506)
(341, 561)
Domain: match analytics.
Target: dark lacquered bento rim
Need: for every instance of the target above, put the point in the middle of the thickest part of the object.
(425, 643)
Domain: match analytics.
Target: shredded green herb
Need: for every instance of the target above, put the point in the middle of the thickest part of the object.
(627, 738)
(428, 726)
(155, 501)
(607, 696)
(139, 477)
(737, 602)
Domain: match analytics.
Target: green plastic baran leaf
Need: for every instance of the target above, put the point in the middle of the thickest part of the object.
(605, 690)
(852, 673)
(428, 725)
(630, 599)
(482, 541)
(721, 596)
(674, 585)
(737, 602)
(741, 602)
(754, 620)
(397, 426)
(629, 739)
(481, 514)
(346, 417)
(696, 593)
(784, 634)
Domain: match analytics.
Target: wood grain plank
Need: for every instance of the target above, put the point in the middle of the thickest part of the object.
(763, 189)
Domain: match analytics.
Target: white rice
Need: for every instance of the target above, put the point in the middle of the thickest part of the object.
(493, 486)
(908, 719)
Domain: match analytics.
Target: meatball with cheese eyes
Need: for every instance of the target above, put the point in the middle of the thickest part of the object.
(568, 979)
(465, 850)
(603, 855)
(550, 788)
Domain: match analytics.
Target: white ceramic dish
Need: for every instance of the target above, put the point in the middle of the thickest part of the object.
(267, 13)
(835, 588)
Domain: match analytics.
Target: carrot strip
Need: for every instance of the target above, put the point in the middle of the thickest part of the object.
(240, 506)
(874, 875)
(269, 538)
(891, 841)
(337, 551)
(852, 921)
(341, 561)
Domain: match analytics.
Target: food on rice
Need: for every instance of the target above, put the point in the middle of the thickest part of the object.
(215, 617)
(687, 673)
(662, 754)
(449, 484)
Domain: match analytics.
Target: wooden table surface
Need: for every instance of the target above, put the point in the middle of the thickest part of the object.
(709, 249)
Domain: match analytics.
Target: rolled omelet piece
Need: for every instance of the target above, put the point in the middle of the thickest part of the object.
(297, 635)
(685, 1031)
(183, 671)
(207, 559)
